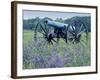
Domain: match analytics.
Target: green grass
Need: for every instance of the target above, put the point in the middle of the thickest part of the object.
(27, 36)
(73, 54)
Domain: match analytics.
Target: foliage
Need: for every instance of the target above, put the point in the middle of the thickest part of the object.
(31, 23)
(39, 54)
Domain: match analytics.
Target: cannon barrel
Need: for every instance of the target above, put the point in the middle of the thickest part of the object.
(55, 24)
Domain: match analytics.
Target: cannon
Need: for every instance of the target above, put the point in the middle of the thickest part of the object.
(55, 24)
(60, 29)
(52, 31)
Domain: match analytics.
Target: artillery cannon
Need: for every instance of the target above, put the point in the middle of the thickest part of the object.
(71, 31)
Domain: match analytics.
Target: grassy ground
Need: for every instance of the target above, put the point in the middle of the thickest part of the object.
(39, 54)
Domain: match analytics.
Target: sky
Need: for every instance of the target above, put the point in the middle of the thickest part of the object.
(29, 14)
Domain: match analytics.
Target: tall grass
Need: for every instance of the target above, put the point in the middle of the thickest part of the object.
(39, 54)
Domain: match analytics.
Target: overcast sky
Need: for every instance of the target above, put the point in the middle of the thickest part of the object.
(29, 14)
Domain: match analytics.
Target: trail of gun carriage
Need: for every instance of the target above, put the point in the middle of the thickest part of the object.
(56, 43)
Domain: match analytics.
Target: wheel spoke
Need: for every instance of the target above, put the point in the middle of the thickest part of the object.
(80, 28)
(71, 32)
(81, 32)
(41, 32)
(46, 29)
(54, 40)
(42, 28)
(57, 39)
(35, 32)
(50, 42)
(73, 27)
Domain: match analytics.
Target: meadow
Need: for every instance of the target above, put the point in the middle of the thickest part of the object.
(39, 54)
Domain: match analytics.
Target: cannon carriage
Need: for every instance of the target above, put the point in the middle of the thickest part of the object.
(52, 31)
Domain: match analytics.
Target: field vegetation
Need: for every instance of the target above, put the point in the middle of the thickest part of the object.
(39, 54)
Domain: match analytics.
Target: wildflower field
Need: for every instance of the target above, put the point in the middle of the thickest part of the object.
(39, 54)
